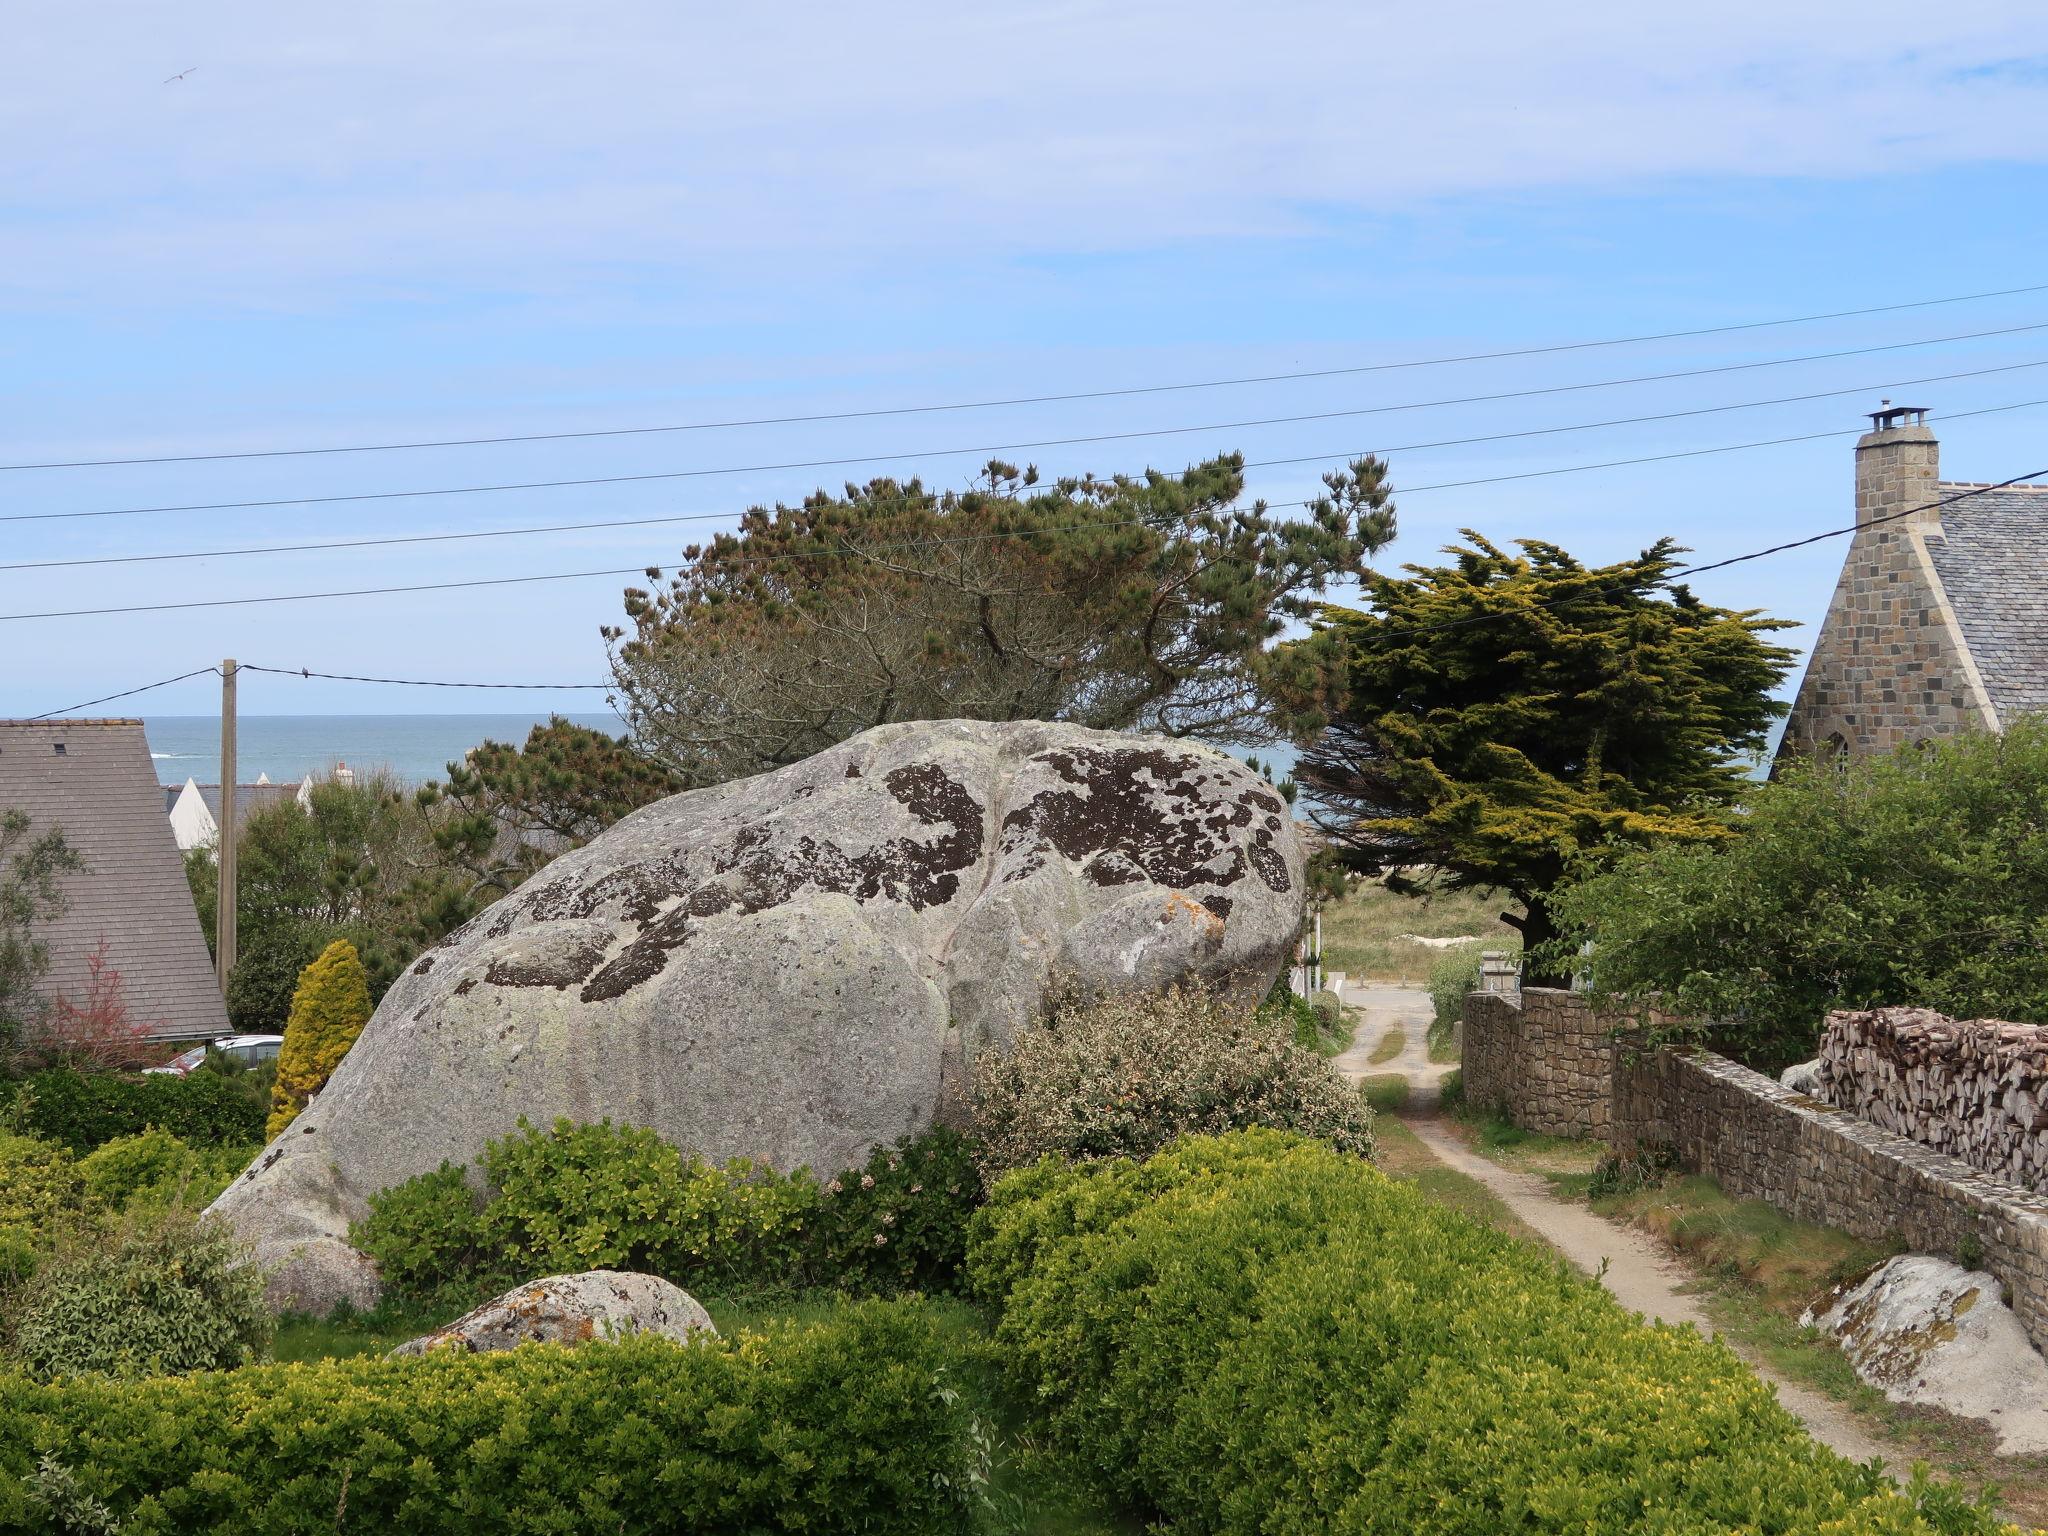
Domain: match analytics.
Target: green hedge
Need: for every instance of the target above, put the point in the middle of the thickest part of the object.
(846, 1425)
(1253, 1333)
(82, 1110)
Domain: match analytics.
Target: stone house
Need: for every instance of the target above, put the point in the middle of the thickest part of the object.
(95, 780)
(1939, 623)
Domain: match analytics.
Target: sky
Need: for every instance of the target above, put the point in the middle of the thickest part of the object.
(390, 222)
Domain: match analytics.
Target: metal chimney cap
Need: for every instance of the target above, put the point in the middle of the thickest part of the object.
(1897, 416)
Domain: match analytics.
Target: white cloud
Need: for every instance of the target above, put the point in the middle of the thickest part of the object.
(505, 144)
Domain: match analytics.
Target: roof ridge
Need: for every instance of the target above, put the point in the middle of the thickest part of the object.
(1987, 485)
(95, 720)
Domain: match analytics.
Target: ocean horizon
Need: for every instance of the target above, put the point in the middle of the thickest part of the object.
(413, 748)
(286, 748)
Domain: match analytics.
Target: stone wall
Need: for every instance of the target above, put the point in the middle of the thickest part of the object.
(1758, 1140)
(1542, 1058)
(1976, 1089)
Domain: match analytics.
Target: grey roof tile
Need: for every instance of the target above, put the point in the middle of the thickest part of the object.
(102, 790)
(1992, 557)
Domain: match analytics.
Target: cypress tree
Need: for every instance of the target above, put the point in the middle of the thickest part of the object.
(329, 1009)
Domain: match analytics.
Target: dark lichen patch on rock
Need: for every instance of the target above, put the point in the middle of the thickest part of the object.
(1144, 813)
(560, 967)
(754, 873)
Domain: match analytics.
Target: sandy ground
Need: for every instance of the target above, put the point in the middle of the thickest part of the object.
(1383, 1005)
(1640, 1273)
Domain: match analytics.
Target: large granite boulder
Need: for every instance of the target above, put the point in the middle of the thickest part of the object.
(571, 1309)
(795, 967)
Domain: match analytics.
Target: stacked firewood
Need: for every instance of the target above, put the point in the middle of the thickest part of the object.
(1976, 1089)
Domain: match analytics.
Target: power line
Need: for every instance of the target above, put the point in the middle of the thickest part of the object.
(703, 517)
(407, 682)
(1057, 442)
(70, 709)
(1716, 565)
(977, 405)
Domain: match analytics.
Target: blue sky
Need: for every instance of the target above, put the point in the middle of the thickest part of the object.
(393, 221)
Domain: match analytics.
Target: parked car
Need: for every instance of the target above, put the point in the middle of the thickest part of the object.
(244, 1050)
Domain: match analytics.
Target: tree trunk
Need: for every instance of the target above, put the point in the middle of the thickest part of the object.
(1537, 928)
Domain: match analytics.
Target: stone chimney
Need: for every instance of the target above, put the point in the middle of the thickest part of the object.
(1897, 465)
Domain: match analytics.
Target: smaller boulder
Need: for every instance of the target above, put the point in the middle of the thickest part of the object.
(571, 1309)
(1923, 1330)
(1802, 1077)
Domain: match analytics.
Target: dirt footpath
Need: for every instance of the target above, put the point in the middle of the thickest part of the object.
(1641, 1274)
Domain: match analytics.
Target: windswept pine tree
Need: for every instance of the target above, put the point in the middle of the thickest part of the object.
(1498, 717)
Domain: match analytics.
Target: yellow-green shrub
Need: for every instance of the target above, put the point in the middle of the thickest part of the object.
(1254, 1333)
(41, 1196)
(329, 1009)
(154, 1170)
(847, 1425)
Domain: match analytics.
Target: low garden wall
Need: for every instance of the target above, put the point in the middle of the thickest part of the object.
(1759, 1140)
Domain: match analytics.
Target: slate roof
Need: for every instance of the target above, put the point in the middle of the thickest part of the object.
(102, 790)
(249, 798)
(1992, 558)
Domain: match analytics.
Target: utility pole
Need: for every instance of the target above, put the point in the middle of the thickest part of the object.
(224, 847)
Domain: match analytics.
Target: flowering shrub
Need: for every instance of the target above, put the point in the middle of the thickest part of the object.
(1123, 1076)
(900, 1223)
(98, 1031)
(1256, 1333)
(847, 1425)
(171, 1295)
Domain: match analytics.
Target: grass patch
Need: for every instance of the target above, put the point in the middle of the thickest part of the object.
(1391, 1044)
(1362, 931)
(1442, 1043)
(1386, 1092)
(1788, 1264)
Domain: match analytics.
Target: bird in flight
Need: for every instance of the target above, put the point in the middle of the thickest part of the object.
(180, 75)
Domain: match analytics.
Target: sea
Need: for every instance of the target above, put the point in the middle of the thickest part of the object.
(413, 748)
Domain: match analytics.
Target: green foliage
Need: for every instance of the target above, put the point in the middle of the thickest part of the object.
(1123, 603)
(360, 863)
(329, 1009)
(619, 1197)
(1629, 1173)
(850, 1425)
(169, 1295)
(1314, 1023)
(427, 1236)
(580, 1197)
(41, 1196)
(1915, 878)
(1497, 716)
(32, 874)
(900, 1223)
(1124, 1075)
(83, 1110)
(154, 1170)
(505, 809)
(1254, 1333)
(1452, 974)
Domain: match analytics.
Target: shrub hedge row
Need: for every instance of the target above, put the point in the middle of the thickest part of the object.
(601, 1196)
(845, 1425)
(1254, 1333)
(82, 1110)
